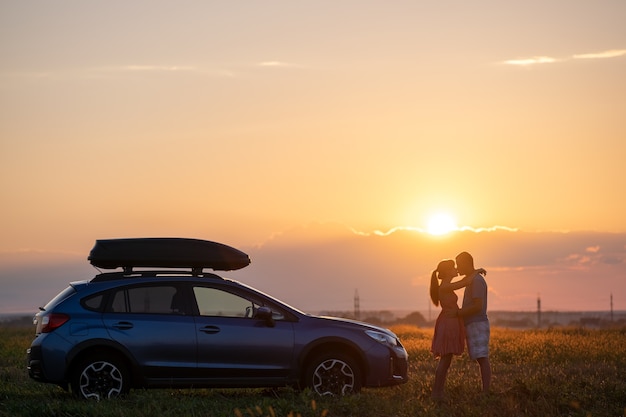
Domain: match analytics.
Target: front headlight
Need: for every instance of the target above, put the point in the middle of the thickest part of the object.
(383, 338)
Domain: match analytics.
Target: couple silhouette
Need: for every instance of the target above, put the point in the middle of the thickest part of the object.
(455, 327)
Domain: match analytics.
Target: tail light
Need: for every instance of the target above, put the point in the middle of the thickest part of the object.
(52, 321)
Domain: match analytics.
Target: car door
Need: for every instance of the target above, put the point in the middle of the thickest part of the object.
(236, 348)
(151, 322)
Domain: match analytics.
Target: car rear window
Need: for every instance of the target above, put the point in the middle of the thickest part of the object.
(59, 297)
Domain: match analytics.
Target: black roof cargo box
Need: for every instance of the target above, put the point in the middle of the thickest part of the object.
(166, 253)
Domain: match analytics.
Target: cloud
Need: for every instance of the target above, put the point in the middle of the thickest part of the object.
(421, 230)
(612, 53)
(278, 64)
(531, 61)
(593, 249)
(167, 69)
(319, 266)
(121, 70)
(488, 229)
(106, 71)
(160, 68)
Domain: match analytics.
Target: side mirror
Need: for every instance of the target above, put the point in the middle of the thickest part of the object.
(265, 313)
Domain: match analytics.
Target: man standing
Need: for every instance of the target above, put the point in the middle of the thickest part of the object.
(474, 314)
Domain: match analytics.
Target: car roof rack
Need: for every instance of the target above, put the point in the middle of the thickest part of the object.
(128, 273)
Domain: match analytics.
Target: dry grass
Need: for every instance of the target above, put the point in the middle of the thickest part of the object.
(555, 372)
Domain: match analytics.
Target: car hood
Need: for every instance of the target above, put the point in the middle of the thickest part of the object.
(363, 325)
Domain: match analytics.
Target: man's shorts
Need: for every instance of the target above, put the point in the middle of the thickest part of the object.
(478, 339)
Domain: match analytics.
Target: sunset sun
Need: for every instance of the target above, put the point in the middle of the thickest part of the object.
(440, 224)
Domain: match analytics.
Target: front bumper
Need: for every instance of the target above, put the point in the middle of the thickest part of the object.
(388, 369)
(399, 368)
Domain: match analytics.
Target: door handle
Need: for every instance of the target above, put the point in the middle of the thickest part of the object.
(123, 325)
(210, 329)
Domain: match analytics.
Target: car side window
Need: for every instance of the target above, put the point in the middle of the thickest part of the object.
(158, 299)
(118, 305)
(93, 302)
(216, 302)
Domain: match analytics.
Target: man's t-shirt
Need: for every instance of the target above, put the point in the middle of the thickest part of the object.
(477, 289)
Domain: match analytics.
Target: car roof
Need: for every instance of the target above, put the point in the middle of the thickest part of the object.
(172, 273)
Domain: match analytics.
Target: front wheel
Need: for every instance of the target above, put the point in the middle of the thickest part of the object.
(333, 374)
(99, 377)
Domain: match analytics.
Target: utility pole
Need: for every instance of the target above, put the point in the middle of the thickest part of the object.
(611, 307)
(538, 311)
(357, 308)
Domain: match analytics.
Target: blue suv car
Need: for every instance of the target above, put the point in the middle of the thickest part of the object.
(180, 326)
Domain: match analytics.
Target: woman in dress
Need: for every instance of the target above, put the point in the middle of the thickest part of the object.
(449, 337)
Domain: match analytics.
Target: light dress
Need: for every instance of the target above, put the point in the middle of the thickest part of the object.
(449, 334)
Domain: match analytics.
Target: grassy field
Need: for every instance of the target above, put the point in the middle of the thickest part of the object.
(552, 372)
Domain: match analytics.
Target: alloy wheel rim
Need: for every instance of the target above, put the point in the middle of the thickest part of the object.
(333, 377)
(101, 380)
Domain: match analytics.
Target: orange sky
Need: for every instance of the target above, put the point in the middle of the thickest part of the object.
(235, 121)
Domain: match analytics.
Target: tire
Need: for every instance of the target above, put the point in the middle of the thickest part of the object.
(99, 377)
(334, 375)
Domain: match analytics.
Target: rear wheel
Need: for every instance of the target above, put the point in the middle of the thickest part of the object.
(99, 377)
(333, 374)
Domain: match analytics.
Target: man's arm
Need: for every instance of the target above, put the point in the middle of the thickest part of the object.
(452, 286)
(467, 280)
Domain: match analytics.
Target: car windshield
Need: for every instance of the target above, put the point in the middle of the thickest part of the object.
(272, 298)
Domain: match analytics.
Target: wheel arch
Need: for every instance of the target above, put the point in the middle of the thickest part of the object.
(328, 345)
(103, 346)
